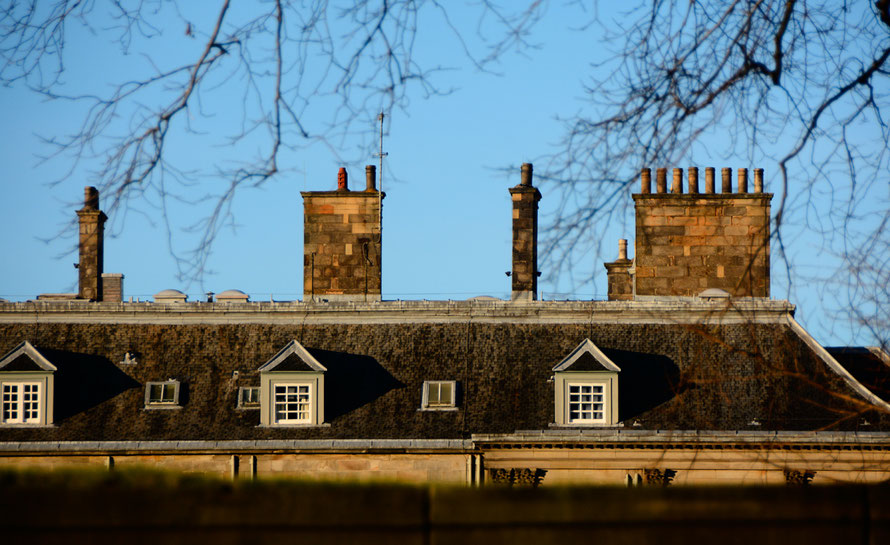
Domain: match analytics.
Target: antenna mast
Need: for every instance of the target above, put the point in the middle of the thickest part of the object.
(381, 154)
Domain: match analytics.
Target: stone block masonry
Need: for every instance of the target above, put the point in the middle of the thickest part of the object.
(342, 242)
(689, 242)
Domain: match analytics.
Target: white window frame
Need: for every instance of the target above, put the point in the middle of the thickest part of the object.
(565, 380)
(440, 405)
(14, 401)
(161, 403)
(282, 402)
(270, 402)
(592, 405)
(254, 397)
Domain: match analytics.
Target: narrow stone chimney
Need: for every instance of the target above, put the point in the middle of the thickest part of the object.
(90, 246)
(525, 199)
(342, 242)
(618, 273)
(689, 242)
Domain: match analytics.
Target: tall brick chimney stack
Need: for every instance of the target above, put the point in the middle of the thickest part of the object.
(91, 246)
(342, 242)
(525, 199)
(689, 242)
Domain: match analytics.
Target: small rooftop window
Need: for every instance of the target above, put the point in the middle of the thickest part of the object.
(439, 395)
(162, 395)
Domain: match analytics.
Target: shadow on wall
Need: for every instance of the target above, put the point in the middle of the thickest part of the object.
(352, 381)
(83, 381)
(645, 381)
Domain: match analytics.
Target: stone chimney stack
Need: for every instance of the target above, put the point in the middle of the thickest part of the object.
(525, 199)
(618, 273)
(689, 242)
(91, 246)
(342, 242)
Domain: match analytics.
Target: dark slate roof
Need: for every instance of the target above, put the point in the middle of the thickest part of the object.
(675, 374)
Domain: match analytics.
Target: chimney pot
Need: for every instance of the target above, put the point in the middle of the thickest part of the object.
(526, 178)
(726, 172)
(646, 180)
(709, 180)
(677, 184)
(743, 180)
(622, 248)
(342, 180)
(90, 198)
(661, 180)
(758, 180)
(693, 179)
(370, 178)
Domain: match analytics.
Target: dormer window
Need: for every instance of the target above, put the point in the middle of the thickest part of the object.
(26, 387)
(586, 388)
(162, 395)
(292, 388)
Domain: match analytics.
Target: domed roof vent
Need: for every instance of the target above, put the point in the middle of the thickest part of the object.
(713, 294)
(170, 296)
(232, 296)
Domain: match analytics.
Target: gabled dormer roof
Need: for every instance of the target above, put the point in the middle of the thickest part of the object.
(25, 357)
(293, 357)
(587, 357)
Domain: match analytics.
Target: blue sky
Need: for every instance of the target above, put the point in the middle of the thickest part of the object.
(447, 211)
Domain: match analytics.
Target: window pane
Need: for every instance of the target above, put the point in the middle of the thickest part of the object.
(445, 393)
(169, 391)
(432, 393)
(155, 393)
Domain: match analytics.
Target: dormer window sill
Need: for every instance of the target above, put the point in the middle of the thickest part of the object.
(161, 407)
(555, 426)
(438, 409)
(279, 426)
(26, 425)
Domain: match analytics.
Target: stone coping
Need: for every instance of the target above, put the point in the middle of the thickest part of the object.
(662, 310)
(825, 439)
(259, 445)
(684, 436)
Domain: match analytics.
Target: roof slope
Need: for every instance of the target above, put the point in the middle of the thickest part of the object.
(674, 376)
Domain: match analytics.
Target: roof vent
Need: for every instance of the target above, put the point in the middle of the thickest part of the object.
(232, 296)
(170, 296)
(711, 294)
